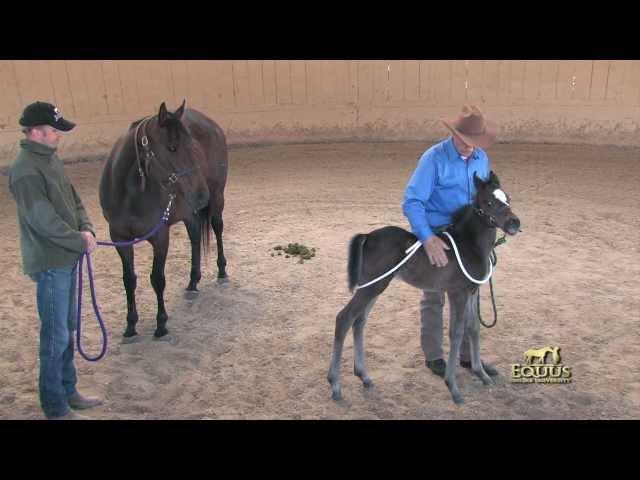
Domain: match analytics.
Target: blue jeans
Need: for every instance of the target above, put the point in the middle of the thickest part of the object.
(56, 296)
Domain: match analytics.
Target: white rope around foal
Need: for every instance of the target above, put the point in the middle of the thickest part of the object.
(410, 251)
(414, 248)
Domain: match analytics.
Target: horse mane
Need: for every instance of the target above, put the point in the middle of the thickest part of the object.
(461, 216)
(464, 214)
(135, 123)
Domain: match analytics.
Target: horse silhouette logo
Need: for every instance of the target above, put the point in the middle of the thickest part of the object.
(536, 370)
(540, 354)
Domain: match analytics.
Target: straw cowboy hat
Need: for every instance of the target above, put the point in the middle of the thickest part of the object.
(472, 128)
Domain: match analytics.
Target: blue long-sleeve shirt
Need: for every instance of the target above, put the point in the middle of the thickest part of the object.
(441, 184)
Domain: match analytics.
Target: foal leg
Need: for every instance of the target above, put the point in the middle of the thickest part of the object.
(344, 321)
(218, 225)
(160, 243)
(472, 330)
(193, 229)
(457, 305)
(359, 368)
(130, 281)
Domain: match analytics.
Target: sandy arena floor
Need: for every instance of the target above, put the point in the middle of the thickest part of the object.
(259, 346)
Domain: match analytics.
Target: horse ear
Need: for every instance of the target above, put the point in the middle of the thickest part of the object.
(178, 113)
(493, 178)
(162, 114)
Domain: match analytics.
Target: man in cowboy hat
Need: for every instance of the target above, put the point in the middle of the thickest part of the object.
(54, 231)
(441, 184)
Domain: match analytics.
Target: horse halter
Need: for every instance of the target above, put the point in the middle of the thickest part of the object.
(173, 177)
(149, 156)
(491, 220)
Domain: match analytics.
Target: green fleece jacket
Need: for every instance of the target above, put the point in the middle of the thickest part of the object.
(50, 212)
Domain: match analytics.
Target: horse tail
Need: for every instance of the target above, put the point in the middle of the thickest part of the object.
(354, 267)
(205, 230)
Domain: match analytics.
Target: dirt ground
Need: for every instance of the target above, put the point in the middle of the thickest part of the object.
(259, 346)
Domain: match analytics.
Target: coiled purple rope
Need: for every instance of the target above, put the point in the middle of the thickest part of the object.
(96, 309)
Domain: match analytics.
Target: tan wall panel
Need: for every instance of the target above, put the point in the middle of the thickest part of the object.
(241, 83)
(599, 80)
(352, 95)
(470, 74)
(531, 81)
(179, 82)
(96, 90)
(129, 83)
(269, 79)
(9, 96)
(441, 82)
(221, 82)
(256, 87)
(631, 88)
(338, 74)
(298, 83)
(518, 72)
(425, 86)
(113, 91)
(580, 101)
(366, 90)
(491, 82)
(411, 84)
(582, 81)
(615, 82)
(283, 82)
(460, 83)
(505, 82)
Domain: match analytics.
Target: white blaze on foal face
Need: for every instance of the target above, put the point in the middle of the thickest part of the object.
(500, 195)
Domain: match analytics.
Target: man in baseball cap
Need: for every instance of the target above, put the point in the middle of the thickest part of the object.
(42, 113)
(54, 231)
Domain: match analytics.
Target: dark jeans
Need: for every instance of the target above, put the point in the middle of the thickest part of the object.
(56, 297)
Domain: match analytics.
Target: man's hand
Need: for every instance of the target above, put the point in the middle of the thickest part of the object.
(90, 243)
(435, 249)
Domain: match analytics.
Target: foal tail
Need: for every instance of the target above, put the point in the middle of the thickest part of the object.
(354, 267)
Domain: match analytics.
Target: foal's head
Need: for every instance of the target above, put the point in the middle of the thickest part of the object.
(494, 204)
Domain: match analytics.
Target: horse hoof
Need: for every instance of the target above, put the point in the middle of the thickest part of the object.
(457, 399)
(337, 396)
(488, 381)
(191, 294)
(170, 339)
(160, 332)
(135, 338)
(368, 383)
(223, 280)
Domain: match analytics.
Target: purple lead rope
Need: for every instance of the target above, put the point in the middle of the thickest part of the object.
(96, 309)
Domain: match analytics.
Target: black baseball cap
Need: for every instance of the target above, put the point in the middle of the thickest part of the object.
(43, 113)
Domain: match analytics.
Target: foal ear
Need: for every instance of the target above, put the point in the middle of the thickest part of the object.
(477, 180)
(162, 114)
(178, 113)
(493, 178)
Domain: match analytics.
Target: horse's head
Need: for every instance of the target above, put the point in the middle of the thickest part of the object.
(177, 157)
(495, 204)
